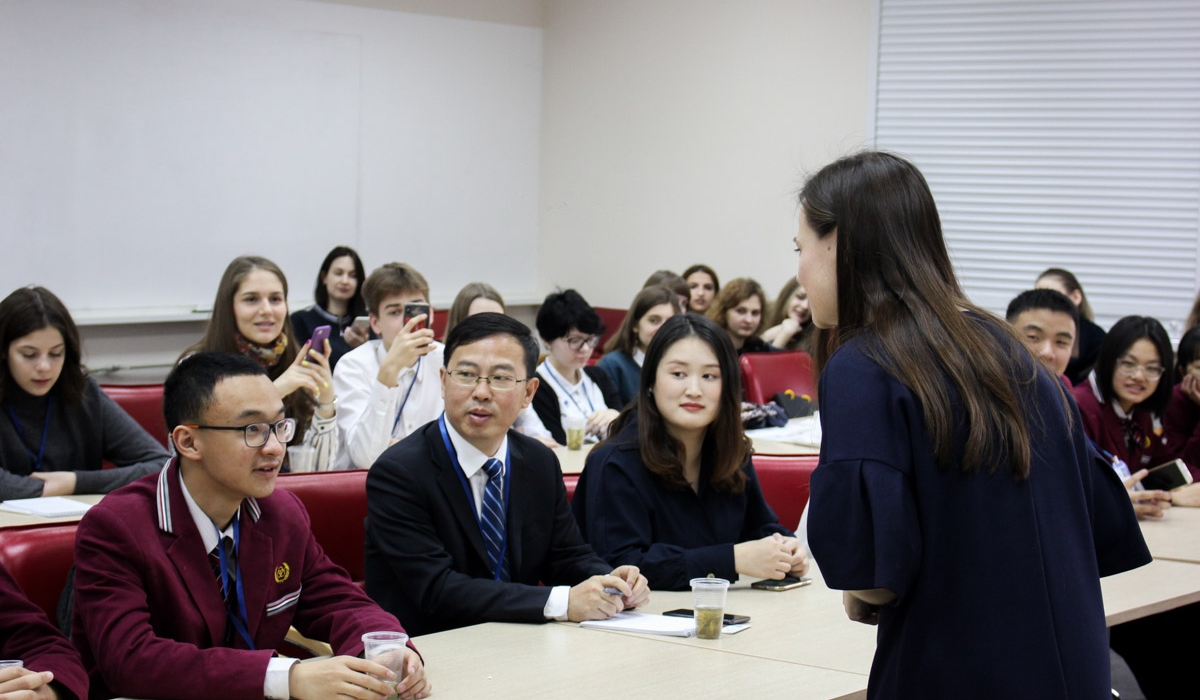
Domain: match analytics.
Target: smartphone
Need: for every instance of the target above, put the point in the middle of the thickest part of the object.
(319, 336)
(363, 323)
(787, 583)
(730, 619)
(416, 309)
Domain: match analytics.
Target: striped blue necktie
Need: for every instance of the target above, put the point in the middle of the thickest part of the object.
(491, 519)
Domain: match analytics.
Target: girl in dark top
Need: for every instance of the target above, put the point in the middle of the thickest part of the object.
(250, 316)
(338, 293)
(703, 286)
(1181, 424)
(739, 309)
(625, 349)
(58, 425)
(1125, 397)
(954, 504)
(1090, 335)
(673, 491)
(791, 320)
(570, 328)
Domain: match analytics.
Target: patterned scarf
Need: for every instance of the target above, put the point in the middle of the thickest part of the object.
(266, 355)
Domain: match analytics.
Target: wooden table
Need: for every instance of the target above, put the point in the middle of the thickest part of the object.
(1176, 536)
(8, 519)
(1158, 586)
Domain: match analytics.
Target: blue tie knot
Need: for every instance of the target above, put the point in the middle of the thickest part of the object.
(493, 467)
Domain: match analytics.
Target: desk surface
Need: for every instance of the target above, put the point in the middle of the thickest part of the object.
(1158, 586)
(1176, 536)
(18, 520)
(572, 461)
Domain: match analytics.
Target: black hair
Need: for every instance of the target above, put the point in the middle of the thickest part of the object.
(562, 311)
(1189, 351)
(1049, 299)
(188, 390)
(472, 329)
(30, 309)
(357, 306)
(1117, 342)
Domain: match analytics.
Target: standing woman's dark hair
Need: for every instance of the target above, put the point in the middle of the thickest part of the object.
(30, 309)
(896, 288)
(725, 439)
(1120, 338)
(357, 306)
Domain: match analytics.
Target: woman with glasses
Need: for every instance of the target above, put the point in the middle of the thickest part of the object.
(569, 388)
(250, 317)
(58, 426)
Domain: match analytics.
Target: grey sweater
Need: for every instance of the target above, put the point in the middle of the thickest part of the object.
(79, 438)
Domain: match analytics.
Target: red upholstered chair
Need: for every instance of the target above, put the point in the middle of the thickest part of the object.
(612, 319)
(440, 319)
(337, 505)
(143, 403)
(570, 481)
(765, 374)
(39, 558)
(784, 481)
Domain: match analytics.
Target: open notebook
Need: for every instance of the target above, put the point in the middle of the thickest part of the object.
(47, 507)
(645, 624)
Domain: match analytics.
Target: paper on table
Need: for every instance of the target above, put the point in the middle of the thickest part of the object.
(645, 624)
(798, 431)
(47, 507)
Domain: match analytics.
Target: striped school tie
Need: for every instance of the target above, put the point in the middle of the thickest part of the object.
(491, 519)
(214, 558)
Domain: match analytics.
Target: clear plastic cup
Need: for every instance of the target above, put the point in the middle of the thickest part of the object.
(575, 426)
(302, 458)
(387, 649)
(708, 601)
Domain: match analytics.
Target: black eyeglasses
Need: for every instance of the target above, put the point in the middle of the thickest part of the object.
(577, 342)
(257, 434)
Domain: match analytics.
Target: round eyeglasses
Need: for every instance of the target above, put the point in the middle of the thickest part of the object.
(257, 434)
(1129, 368)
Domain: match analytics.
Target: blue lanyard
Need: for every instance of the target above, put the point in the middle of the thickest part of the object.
(408, 393)
(41, 453)
(462, 476)
(241, 624)
(559, 382)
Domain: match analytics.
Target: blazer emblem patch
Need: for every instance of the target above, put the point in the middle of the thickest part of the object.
(282, 572)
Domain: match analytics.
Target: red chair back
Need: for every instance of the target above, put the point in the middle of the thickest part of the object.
(784, 481)
(144, 404)
(765, 374)
(570, 481)
(440, 319)
(337, 505)
(612, 319)
(39, 558)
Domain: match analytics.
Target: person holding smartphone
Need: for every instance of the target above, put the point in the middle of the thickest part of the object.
(391, 386)
(673, 491)
(339, 300)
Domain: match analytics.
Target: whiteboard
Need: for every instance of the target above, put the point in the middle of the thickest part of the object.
(145, 143)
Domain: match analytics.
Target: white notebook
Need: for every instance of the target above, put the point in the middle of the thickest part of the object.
(644, 623)
(47, 507)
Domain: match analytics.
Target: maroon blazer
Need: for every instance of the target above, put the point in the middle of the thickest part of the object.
(149, 617)
(26, 634)
(1102, 424)
(1182, 426)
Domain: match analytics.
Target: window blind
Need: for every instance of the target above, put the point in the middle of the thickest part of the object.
(1053, 134)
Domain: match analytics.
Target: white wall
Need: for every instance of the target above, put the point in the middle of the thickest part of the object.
(677, 131)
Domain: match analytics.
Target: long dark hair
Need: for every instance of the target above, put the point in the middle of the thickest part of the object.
(724, 440)
(30, 309)
(1117, 342)
(897, 293)
(625, 339)
(357, 306)
(222, 330)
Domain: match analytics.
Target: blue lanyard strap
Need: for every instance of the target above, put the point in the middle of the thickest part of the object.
(560, 382)
(240, 622)
(41, 453)
(462, 477)
(416, 373)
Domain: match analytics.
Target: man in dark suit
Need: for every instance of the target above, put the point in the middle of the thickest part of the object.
(465, 517)
(187, 580)
(52, 667)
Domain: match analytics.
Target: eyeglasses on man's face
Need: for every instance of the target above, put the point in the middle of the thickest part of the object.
(1128, 368)
(498, 382)
(257, 434)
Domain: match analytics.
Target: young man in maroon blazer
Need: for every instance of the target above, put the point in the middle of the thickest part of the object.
(52, 667)
(187, 580)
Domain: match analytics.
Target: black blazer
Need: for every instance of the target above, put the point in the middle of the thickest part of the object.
(545, 401)
(425, 558)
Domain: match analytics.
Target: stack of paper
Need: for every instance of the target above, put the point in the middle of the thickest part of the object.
(47, 507)
(643, 623)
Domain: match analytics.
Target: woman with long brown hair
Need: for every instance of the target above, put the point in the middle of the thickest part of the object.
(673, 491)
(626, 349)
(955, 504)
(250, 317)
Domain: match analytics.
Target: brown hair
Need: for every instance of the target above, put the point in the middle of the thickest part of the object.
(706, 270)
(28, 310)
(724, 439)
(779, 308)
(897, 294)
(461, 307)
(733, 293)
(1071, 283)
(221, 333)
(625, 339)
(392, 279)
(1193, 318)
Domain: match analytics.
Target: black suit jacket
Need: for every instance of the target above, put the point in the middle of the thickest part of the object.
(425, 557)
(545, 401)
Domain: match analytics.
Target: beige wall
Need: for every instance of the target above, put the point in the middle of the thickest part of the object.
(677, 131)
(527, 13)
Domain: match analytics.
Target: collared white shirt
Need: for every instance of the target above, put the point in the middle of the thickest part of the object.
(471, 460)
(639, 356)
(275, 684)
